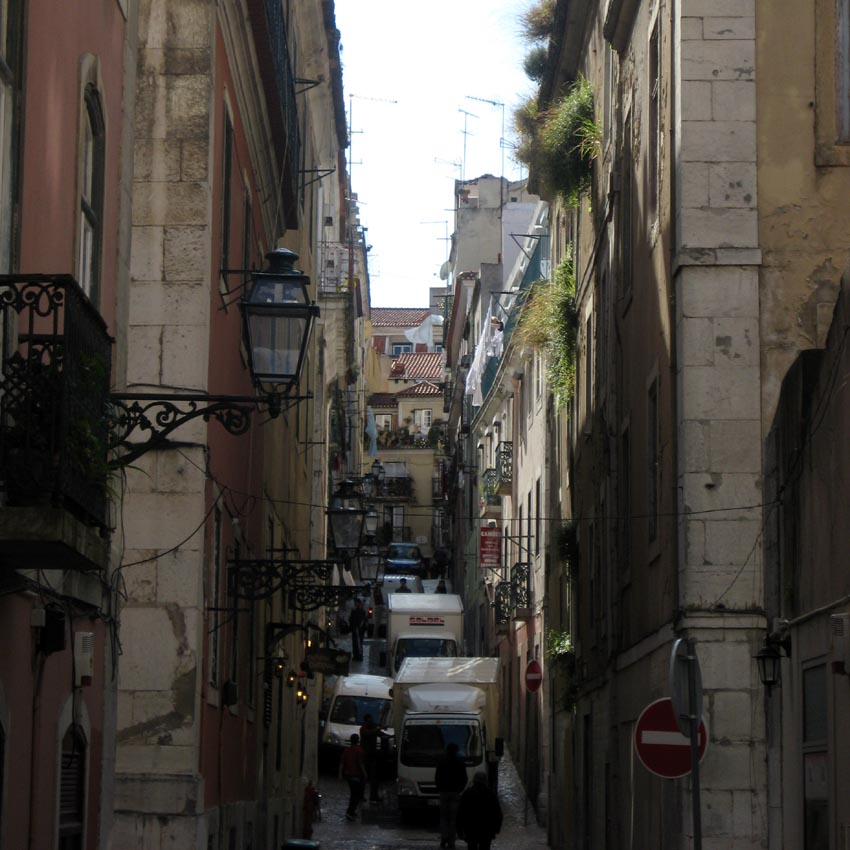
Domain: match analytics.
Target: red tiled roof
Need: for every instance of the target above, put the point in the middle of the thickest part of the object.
(426, 388)
(382, 400)
(398, 317)
(418, 366)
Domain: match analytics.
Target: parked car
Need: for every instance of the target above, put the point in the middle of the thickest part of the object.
(404, 559)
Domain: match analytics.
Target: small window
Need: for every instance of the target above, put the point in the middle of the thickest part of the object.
(816, 774)
(423, 418)
(72, 790)
(652, 460)
(654, 123)
(215, 614)
(401, 348)
(91, 195)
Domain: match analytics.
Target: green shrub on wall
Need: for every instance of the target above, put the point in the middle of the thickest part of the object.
(569, 142)
(549, 323)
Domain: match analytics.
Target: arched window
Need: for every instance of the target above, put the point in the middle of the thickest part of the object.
(91, 194)
(72, 790)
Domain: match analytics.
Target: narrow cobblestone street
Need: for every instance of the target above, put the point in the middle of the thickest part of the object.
(379, 827)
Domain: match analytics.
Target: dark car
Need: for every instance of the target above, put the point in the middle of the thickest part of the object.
(404, 559)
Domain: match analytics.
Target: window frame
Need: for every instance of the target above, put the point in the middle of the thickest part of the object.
(91, 175)
(832, 83)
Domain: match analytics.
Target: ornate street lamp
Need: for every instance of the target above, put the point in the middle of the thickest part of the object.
(371, 522)
(378, 471)
(278, 315)
(769, 659)
(346, 516)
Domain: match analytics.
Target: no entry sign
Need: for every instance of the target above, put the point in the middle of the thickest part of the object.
(662, 748)
(533, 676)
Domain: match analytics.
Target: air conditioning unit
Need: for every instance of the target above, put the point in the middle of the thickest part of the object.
(839, 629)
(83, 658)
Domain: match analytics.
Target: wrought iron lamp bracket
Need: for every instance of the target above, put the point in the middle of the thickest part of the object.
(154, 417)
(310, 597)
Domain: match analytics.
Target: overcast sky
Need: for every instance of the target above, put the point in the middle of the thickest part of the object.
(409, 69)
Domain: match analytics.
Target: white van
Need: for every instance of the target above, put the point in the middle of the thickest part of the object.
(353, 698)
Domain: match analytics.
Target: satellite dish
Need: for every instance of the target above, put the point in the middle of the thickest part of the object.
(444, 270)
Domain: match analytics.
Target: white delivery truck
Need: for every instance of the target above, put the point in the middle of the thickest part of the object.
(423, 625)
(353, 698)
(437, 701)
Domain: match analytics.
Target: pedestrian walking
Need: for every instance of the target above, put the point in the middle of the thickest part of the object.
(357, 621)
(479, 815)
(450, 780)
(370, 739)
(352, 768)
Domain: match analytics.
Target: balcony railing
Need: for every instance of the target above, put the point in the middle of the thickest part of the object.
(394, 488)
(521, 591)
(488, 488)
(54, 391)
(504, 605)
(277, 64)
(504, 467)
(402, 438)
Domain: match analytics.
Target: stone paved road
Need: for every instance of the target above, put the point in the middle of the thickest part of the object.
(380, 827)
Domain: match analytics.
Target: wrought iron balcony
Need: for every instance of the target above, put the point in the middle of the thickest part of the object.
(448, 393)
(504, 468)
(504, 605)
(491, 501)
(276, 67)
(54, 395)
(521, 591)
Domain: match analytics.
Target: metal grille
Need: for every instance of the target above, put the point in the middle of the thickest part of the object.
(521, 586)
(54, 388)
(504, 464)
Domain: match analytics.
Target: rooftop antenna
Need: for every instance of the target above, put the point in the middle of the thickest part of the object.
(350, 211)
(466, 117)
(501, 149)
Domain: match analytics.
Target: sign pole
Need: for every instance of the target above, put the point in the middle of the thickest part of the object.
(694, 718)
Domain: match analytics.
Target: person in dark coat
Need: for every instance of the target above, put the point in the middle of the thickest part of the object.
(370, 740)
(450, 779)
(352, 768)
(479, 815)
(357, 621)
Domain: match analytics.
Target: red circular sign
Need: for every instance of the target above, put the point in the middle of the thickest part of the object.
(533, 676)
(662, 748)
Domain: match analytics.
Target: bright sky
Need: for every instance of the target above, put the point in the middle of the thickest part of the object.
(409, 69)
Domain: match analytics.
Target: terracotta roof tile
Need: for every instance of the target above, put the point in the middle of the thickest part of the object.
(382, 400)
(425, 388)
(398, 317)
(418, 366)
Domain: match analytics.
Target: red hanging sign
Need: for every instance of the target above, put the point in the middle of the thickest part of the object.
(490, 548)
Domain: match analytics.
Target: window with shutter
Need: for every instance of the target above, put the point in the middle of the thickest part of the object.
(72, 790)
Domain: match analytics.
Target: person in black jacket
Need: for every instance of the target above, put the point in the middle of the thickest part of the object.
(450, 779)
(479, 815)
(357, 621)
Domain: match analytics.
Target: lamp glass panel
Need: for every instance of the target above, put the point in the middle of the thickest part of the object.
(346, 527)
(276, 342)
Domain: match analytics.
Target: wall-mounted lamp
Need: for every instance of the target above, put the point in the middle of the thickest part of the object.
(278, 665)
(346, 518)
(769, 657)
(291, 678)
(277, 315)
